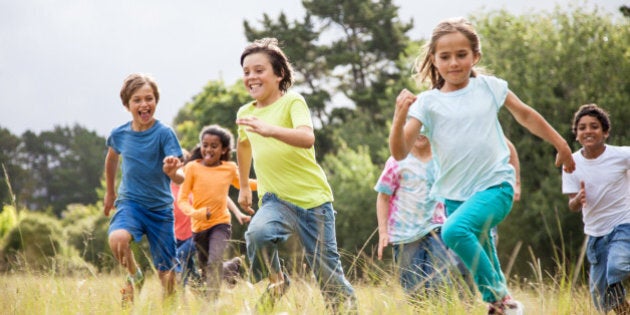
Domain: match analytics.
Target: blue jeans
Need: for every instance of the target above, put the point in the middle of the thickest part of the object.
(275, 221)
(186, 256)
(424, 263)
(467, 232)
(609, 257)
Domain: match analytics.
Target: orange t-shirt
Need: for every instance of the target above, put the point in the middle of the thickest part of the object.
(209, 187)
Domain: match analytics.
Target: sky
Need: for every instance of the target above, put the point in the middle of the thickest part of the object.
(63, 62)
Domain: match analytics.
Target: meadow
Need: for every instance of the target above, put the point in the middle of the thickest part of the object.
(37, 293)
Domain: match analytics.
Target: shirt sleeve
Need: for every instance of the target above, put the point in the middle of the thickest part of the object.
(389, 180)
(300, 114)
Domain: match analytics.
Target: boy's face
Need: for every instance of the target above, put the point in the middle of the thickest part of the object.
(260, 81)
(142, 107)
(590, 133)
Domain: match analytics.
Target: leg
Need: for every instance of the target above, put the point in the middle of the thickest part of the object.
(317, 233)
(618, 268)
(158, 226)
(466, 232)
(218, 241)
(269, 227)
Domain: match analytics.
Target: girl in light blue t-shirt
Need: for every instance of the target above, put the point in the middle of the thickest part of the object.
(460, 117)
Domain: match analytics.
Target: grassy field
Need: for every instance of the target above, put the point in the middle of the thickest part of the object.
(44, 294)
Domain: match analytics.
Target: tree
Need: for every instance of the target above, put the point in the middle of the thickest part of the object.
(216, 104)
(66, 166)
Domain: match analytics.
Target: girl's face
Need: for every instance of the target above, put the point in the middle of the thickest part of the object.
(454, 60)
(142, 106)
(260, 81)
(590, 133)
(211, 150)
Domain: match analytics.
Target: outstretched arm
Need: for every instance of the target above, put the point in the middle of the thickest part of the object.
(536, 124)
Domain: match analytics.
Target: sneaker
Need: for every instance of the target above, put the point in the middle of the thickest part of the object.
(132, 284)
(507, 306)
(272, 295)
(232, 270)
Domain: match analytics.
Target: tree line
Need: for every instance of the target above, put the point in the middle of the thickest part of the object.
(555, 61)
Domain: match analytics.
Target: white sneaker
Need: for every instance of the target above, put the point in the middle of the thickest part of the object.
(507, 306)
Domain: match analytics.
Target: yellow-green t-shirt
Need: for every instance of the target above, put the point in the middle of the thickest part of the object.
(290, 172)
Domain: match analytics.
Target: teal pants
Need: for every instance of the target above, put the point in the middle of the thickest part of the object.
(467, 233)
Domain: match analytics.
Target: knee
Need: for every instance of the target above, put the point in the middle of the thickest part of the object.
(119, 241)
(257, 235)
(451, 233)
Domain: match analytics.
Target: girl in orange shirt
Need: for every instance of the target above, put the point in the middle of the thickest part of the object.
(208, 179)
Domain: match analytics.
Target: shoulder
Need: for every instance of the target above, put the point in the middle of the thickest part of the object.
(230, 165)
(121, 129)
(293, 98)
(245, 108)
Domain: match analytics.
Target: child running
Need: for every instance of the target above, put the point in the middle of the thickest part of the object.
(276, 132)
(208, 180)
(150, 161)
(599, 188)
(460, 116)
(410, 219)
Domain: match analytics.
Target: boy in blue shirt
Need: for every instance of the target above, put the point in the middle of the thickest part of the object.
(150, 155)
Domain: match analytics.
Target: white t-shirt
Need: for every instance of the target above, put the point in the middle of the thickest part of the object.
(466, 137)
(607, 188)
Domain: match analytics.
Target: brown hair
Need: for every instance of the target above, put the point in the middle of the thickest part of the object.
(279, 61)
(594, 111)
(425, 68)
(135, 81)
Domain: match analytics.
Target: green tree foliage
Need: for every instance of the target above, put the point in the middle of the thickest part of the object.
(65, 167)
(554, 62)
(216, 104)
(8, 220)
(352, 176)
(12, 174)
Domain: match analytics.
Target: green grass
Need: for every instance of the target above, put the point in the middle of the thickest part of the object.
(28, 293)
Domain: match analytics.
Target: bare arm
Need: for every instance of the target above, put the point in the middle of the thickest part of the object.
(515, 162)
(111, 166)
(242, 218)
(382, 210)
(244, 160)
(403, 132)
(536, 124)
(301, 136)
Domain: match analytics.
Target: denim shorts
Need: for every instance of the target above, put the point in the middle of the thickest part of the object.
(157, 225)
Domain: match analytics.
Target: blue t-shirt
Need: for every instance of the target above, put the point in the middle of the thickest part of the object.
(466, 137)
(143, 153)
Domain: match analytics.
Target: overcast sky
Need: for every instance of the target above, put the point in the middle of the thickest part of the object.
(63, 62)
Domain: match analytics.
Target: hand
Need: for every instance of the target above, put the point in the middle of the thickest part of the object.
(565, 158)
(242, 219)
(403, 101)
(108, 203)
(383, 241)
(581, 195)
(245, 200)
(170, 165)
(256, 125)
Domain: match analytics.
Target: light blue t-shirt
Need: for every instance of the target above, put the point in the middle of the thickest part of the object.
(466, 137)
(412, 212)
(143, 153)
